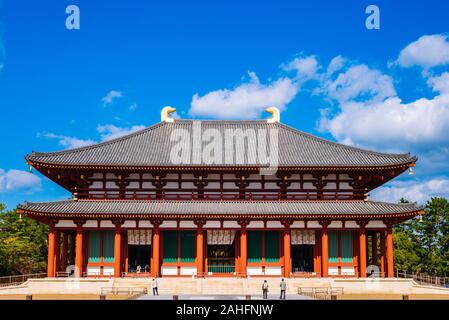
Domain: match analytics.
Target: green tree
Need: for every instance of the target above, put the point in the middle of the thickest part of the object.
(23, 244)
(422, 244)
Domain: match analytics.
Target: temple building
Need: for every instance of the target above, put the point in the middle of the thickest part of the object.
(220, 198)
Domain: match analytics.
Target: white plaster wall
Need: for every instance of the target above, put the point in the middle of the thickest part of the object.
(168, 224)
(145, 224)
(129, 224)
(297, 225)
(313, 225)
(169, 271)
(187, 224)
(376, 224)
(254, 271)
(212, 224)
(274, 224)
(106, 224)
(230, 224)
(188, 271)
(66, 224)
(255, 224)
(273, 271)
(335, 224)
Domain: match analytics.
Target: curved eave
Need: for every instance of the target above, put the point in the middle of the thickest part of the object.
(230, 210)
(49, 165)
(399, 216)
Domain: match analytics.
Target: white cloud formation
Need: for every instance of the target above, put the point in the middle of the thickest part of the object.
(109, 131)
(13, 180)
(245, 101)
(68, 142)
(133, 107)
(391, 122)
(111, 96)
(427, 52)
(357, 83)
(439, 83)
(306, 68)
(412, 190)
(372, 115)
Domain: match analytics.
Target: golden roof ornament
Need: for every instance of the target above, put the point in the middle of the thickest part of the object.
(275, 115)
(165, 114)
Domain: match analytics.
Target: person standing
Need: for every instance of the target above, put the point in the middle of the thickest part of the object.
(154, 286)
(283, 286)
(265, 289)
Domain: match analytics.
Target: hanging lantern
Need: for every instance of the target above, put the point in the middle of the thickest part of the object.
(410, 170)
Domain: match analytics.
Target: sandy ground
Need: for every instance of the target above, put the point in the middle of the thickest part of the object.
(63, 297)
(212, 297)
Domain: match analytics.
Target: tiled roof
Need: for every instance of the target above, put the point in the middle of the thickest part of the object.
(151, 147)
(198, 207)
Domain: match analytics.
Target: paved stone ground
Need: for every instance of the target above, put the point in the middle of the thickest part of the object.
(221, 297)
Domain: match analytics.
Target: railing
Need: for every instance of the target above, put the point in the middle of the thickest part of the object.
(221, 194)
(320, 292)
(19, 279)
(304, 274)
(221, 265)
(123, 290)
(424, 279)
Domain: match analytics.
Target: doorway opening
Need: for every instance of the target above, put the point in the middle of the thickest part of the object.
(302, 258)
(139, 257)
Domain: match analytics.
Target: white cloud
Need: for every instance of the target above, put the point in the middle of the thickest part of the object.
(412, 190)
(337, 63)
(391, 122)
(68, 142)
(109, 131)
(133, 107)
(13, 180)
(111, 96)
(359, 82)
(440, 83)
(245, 101)
(371, 114)
(427, 52)
(306, 67)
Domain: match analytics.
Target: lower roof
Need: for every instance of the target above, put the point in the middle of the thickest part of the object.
(222, 209)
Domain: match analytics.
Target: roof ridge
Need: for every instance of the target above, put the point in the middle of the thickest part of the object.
(103, 143)
(320, 139)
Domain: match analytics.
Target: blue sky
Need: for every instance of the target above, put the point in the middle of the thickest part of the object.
(385, 89)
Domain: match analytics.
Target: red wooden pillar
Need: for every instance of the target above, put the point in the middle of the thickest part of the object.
(287, 253)
(362, 248)
(155, 245)
(79, 249)
(117, 248)
(243, 246)
(64, 251)
(382, 253)
(375, 259)
(57, 255)
(324, 249)
(287, 248)
(390, 265)
(51, 251)
(125, 251)
(237, 252)
(199, 248)
(72, 249)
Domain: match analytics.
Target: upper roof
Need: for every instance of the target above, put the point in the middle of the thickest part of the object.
(263, 209)
(152, 147)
